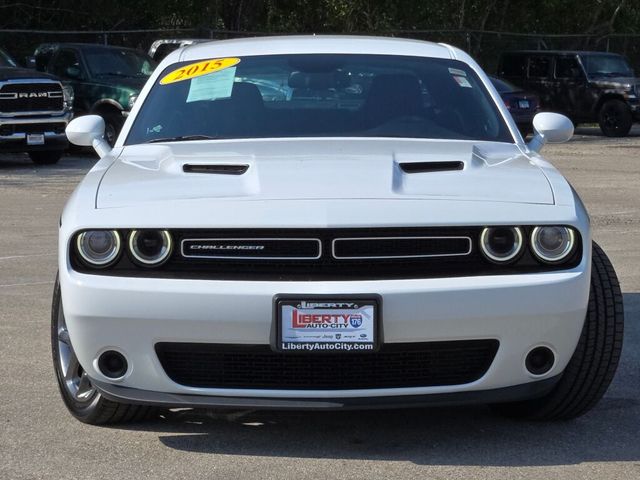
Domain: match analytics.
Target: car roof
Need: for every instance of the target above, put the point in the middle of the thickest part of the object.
(299, 44)
(560, 52)
(161, 41)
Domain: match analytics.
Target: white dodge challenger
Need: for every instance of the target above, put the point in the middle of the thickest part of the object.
(324, 223)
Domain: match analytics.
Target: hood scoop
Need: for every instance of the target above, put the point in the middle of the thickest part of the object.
(216, 169)
(425, 167)
(323, 169)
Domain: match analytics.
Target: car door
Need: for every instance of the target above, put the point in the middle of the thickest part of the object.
(539, 79)
(513, 67)
(571, 84)
(68, 66)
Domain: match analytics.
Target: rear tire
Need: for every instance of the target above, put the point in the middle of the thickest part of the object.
(615, 118)
(82, 400)
(48, 157)
(595, 360)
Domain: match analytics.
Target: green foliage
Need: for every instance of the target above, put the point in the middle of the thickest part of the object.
(473, 25)
(536, 16)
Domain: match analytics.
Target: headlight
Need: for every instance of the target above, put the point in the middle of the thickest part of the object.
(630, 92)
(501, 244)
(98, 248)
(552, 244)
(150, 247)
(68, 96)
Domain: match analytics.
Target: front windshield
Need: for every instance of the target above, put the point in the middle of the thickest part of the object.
(6, 60)
(606, 66)
(119, 63)
(319, 95)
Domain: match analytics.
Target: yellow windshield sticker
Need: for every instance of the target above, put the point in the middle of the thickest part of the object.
(198, 69)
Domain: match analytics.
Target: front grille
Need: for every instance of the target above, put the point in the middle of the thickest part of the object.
(394, 253)
(395, 365)
(31, 97)
(57, 127)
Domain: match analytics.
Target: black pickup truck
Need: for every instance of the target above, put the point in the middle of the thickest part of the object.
(585, 86)
(106, 79)
(34, 111)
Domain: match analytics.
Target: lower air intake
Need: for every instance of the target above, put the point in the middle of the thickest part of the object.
(395, 365)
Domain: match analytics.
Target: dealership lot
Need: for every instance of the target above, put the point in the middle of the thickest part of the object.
(39, 439)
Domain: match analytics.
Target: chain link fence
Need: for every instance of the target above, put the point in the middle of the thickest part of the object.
(485, 46)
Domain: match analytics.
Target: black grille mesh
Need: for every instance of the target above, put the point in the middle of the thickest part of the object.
(401, 247)
(395, 365)
(32, 128)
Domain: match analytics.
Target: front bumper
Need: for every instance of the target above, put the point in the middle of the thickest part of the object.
(131, 315)
(172, 400)
(14, 131)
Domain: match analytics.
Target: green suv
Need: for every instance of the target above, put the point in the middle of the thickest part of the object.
(106, 79)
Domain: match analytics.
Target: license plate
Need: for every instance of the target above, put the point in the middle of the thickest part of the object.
(35, 139)
(523, 103)
(326, 324)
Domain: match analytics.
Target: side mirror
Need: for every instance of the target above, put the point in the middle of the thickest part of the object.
(550, 127)
(73, 72)
(30, 62)
(88, 131)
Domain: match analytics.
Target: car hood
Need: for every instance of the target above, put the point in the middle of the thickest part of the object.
(12, 73)
(615, 82)
(286, 169)
(128, 83)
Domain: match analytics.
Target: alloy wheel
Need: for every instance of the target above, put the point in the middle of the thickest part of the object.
(75, 379)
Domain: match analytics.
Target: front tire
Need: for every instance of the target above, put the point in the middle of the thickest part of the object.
(615, 118)
(80, 397)
(45, 157)
(595, 360)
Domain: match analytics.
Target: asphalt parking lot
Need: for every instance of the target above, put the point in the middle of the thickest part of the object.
(39, 439)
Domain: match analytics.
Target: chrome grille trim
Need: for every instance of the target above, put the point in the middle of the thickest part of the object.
(360, 239)
(253, 241)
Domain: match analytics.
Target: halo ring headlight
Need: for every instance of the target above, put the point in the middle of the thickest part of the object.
(501, 244)
(98, 248)
(553, 243)
(150, 248)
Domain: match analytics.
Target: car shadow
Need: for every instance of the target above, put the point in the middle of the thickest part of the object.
(21, 162)
(594, 133)
(443, 436)
(16, 169)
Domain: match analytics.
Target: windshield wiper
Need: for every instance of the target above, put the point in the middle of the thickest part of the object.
(115, 74)
(182, 138)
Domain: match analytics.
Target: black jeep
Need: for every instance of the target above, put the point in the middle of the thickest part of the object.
(585, 86)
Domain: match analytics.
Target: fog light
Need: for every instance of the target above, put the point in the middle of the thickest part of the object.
(501, 244)
(98, 248)
(112, 364)
(150, 247)
(540, 360)
(552, 244)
